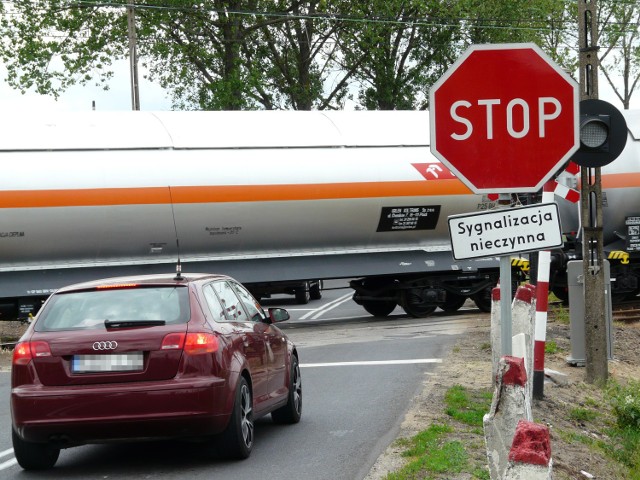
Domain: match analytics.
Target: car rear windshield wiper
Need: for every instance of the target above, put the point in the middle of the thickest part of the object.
(133, 323)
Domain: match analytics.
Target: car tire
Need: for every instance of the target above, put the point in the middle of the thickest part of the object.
(292, 411)
(236, 442)
(34, 456)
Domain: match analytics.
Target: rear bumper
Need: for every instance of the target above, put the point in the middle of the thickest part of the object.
(95, 414)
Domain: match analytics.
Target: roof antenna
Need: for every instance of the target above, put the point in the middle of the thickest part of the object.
(178, 276)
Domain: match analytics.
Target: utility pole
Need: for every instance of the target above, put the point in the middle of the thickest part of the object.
(133, 58)
(597, 368)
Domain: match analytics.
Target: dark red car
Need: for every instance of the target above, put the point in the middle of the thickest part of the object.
(150, 357)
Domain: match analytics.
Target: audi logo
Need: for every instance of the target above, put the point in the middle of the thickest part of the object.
(105, 345)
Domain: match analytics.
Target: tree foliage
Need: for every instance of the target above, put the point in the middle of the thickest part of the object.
(397, 51)
(619, 39)
(293, 54)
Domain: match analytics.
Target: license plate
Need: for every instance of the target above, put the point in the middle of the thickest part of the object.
(114, 362)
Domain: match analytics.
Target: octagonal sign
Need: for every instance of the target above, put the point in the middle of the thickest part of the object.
(504, 118)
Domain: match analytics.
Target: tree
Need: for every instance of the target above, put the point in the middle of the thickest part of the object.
(396, 49)
(619, 36)
(197, 51)
(281, 54)
(192, 49)
(300, 57)
(213, 54)
(558, 35)
(515, 21)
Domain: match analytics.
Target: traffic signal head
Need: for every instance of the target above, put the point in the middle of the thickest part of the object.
(603, 134)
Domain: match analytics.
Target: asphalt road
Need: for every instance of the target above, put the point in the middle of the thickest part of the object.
(359, 376)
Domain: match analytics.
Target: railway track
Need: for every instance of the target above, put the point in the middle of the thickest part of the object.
(627, 312)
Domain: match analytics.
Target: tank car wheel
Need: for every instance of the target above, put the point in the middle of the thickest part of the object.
(302, 294)
(483, 300)
(632, 295)
(415, 306)
(453, 303)
(562, 293)
(379, 308)
(315, 290)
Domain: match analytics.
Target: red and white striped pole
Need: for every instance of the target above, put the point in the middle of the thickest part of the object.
(550, 189)
(542, 304)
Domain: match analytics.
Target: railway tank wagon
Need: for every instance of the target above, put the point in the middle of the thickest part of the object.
(278, 200)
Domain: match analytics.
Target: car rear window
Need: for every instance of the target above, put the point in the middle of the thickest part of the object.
(91, 308)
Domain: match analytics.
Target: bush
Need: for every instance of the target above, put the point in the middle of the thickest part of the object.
(625, 401)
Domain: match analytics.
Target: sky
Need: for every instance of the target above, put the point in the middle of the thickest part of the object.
(152, 96)
(81, 98)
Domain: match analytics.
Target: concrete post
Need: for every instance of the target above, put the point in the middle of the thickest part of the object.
(530, 454)
(522, 317)
(523, 313)
(496, 334)
(508, 407)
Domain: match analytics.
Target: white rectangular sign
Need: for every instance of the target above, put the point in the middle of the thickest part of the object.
(505, 231)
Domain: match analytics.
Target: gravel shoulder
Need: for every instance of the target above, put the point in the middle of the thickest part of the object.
(469, 364)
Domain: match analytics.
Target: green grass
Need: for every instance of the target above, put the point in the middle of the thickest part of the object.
(619, 426)
(438, 452)
(431, 454)
(551, 347)
(467, 406)
(580, 414)
(625, 435)
(560, 313)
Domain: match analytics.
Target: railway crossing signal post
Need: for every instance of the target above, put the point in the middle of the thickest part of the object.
(603, 137)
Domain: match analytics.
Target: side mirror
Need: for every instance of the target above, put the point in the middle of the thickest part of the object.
(278, 315)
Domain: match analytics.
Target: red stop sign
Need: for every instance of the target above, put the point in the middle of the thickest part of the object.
(504, 118)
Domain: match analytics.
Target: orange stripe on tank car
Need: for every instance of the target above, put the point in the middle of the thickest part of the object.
(227, 193)
(83, 197)
(621, 180)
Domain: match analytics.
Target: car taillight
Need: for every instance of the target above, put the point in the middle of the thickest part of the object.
(24, 352)
(173, 341)
(199, 342)
(193, 343)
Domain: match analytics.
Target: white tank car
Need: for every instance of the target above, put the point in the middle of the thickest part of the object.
(280, 200)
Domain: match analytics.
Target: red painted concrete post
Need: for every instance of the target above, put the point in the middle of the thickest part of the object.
(530, 454)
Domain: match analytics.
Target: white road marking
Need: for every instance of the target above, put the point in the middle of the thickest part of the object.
(8, 463)
(314, 314)
(6, 452)
(373, 362)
